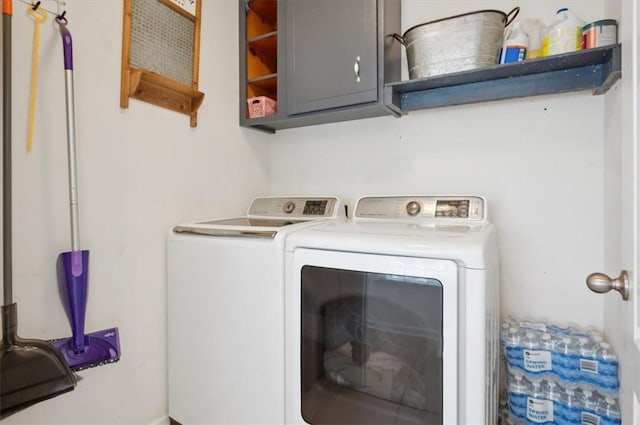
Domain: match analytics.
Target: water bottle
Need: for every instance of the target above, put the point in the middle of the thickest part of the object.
(504, 327)
(547, 342)
(530, 341)
(586, 347)
(570, 407)
(568, 365)
(536, 361)
(536, 388)
(604, 352)
(551, 390)
(539, 409)
(512, 348)
(609, 412)
(510, 337)
(588, 364)
(502, 410)
(518, 390)
(590, 400)
(607, 368)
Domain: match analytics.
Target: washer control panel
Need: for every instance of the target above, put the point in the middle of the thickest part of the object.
(294, 207)
(422, 207)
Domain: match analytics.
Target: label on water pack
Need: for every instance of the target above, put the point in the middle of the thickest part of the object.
(537, 361)
(589, 419)
(590, 366)
(539, 411)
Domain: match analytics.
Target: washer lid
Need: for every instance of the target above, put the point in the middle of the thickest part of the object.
(266, 216)
(251, 222)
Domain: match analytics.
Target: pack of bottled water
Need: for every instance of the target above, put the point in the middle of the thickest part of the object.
(566, 355)
(534, 401)
(559, 375)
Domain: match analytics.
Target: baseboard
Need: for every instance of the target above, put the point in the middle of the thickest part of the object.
(163, 420)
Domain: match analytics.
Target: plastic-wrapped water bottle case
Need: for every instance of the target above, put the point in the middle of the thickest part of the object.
(559, 375)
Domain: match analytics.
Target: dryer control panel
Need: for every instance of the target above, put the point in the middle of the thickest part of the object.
(422, 207)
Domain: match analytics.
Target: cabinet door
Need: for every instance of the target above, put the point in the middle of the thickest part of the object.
(331, 54)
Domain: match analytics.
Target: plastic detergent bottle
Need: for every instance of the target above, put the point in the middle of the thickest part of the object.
(514, 48)
(534, 28)
(564, 36)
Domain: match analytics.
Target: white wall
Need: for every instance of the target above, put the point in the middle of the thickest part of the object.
(141, 170)
(539, 161)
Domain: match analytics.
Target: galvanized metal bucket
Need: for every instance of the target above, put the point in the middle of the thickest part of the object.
(458, 43)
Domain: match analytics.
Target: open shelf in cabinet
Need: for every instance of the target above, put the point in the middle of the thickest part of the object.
(261, 49)
(593, 69)
(263, 86)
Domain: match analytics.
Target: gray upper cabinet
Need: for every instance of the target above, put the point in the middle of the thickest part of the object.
(320, 61)
(331, 52)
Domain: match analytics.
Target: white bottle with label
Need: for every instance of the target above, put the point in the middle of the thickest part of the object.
(514, 48)
(563, 36)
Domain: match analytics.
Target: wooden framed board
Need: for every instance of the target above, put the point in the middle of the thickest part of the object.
(160, 54)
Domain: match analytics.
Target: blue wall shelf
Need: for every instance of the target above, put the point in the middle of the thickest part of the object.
(593, 69)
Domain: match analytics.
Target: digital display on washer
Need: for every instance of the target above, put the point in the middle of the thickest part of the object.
(453, 208)
(314, 207)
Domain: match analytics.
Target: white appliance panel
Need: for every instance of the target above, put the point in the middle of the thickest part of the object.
(225, 331)
(405, 234)
(226, 311)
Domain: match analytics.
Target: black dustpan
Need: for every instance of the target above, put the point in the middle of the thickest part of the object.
(31, 370)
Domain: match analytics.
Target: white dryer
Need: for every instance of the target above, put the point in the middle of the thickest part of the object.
(226, 311)
(392, 317)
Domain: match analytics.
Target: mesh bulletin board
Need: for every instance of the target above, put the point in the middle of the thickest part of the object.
(160, 54)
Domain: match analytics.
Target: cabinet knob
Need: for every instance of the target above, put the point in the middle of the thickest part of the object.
(356, 69)
(601, 283)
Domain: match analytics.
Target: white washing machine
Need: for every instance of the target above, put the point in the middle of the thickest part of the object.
(226, 311)
(392, 317)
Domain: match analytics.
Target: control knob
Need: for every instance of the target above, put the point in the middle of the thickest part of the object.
(288, 207)
(413, 208)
